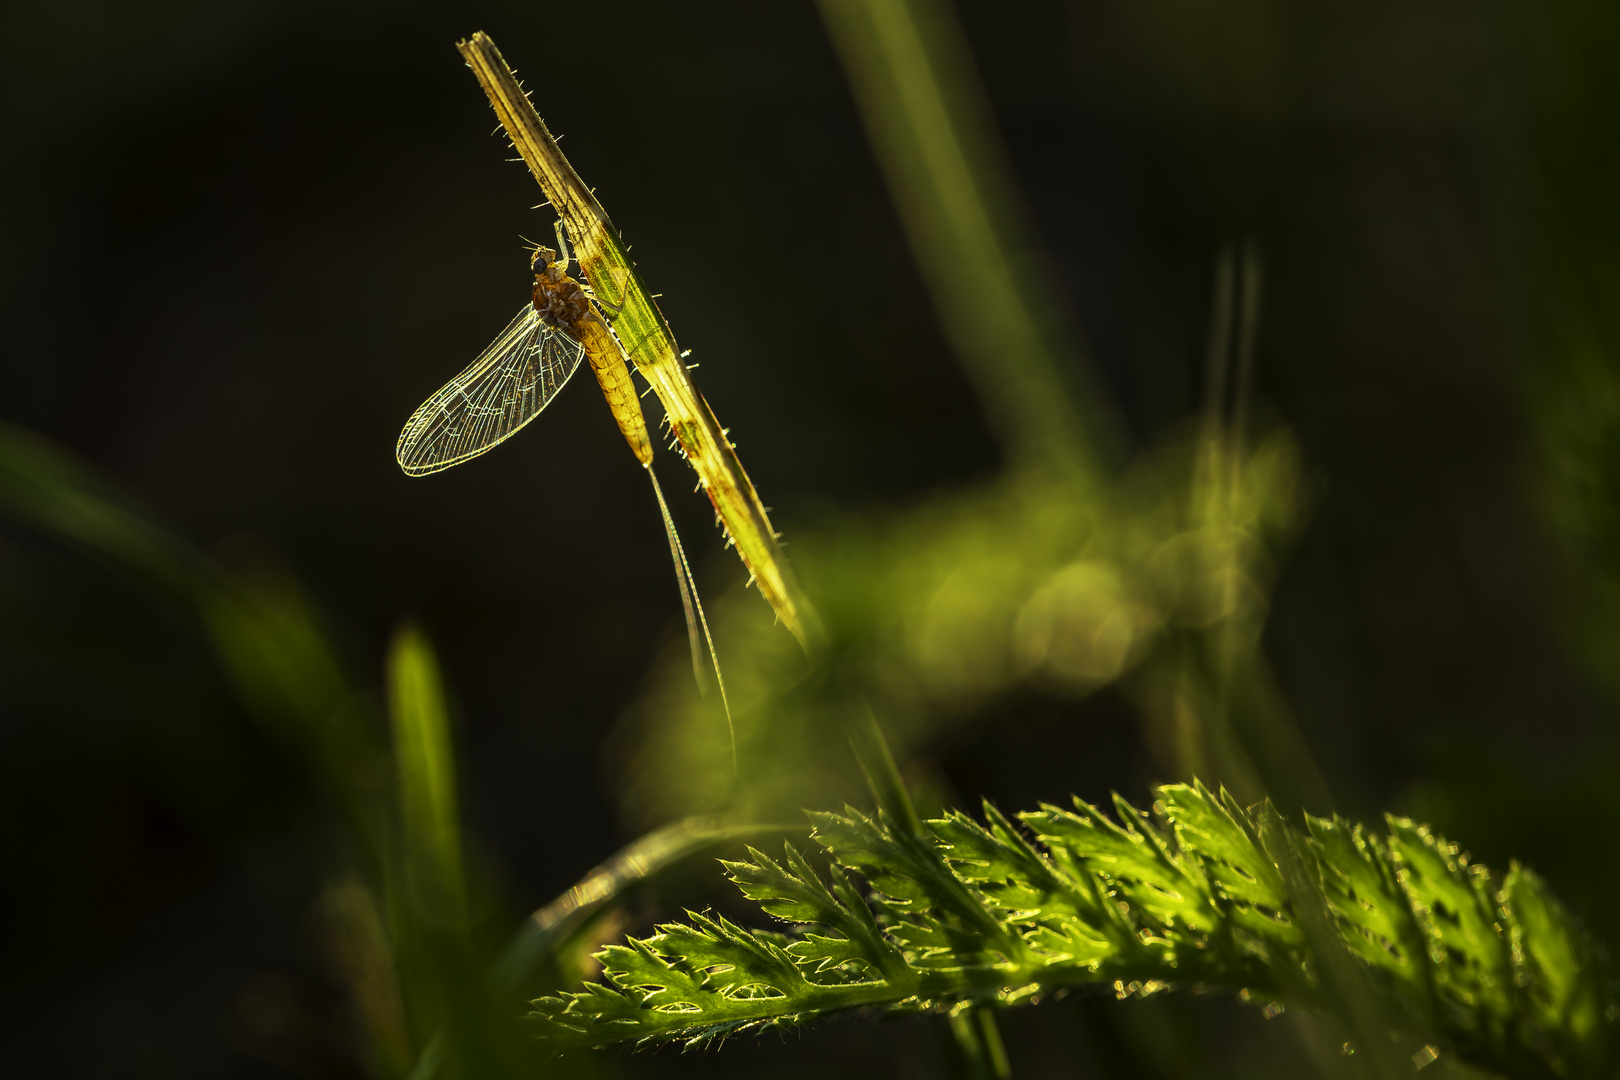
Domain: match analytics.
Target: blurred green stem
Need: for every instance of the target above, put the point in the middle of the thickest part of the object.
(427, 782)
(882, 774)
(1230, 721)
(931, 129)
(550, 931)
(1385, 1041)
(973, 1026)
(360, 944)
(978, 1037)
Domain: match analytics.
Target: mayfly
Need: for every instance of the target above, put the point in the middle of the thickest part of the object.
(625, 304)
(518, 375)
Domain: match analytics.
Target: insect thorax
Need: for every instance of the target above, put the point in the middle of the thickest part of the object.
(560, 301)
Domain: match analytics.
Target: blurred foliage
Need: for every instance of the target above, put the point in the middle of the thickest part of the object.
(936, 611)
(396, 920)
(1576, 389)
(1057, 575)
(262, 629)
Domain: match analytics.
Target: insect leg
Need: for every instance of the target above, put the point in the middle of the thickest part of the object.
(611, 309)
(563, 255)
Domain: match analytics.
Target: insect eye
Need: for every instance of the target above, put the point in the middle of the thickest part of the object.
(542, 259)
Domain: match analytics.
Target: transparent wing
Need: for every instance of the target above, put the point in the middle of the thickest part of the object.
(505, 388)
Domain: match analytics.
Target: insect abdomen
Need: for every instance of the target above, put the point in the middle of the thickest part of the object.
(602, 350)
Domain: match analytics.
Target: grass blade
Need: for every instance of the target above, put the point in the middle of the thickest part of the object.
(427, 781)
(912, 74)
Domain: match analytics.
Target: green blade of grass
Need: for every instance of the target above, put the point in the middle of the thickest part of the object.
(427, 782)
(263, 630)
(43, 487)
(912, 74)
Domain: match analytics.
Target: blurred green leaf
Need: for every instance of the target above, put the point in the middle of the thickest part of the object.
(363, 950)
(264, 631)
(44, 487)
(427, 782)
(935, 611)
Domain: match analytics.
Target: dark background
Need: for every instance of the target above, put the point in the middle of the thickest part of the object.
(244, 241)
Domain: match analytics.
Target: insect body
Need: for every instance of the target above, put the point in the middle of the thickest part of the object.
(519, 374)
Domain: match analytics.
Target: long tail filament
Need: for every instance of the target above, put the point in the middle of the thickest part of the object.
(694, 615)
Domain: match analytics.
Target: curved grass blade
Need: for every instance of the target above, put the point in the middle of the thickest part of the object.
(551, 929)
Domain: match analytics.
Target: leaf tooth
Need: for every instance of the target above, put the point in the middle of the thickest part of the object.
(806, 874)
(1008, 833)
(1134, 821)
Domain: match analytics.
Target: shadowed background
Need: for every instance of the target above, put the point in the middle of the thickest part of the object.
(246, 241)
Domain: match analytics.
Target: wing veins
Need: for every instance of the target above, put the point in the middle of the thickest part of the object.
(499, 392)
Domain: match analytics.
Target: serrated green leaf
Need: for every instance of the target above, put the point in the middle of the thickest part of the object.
(1493, 970)
(1559, 979)
(1468, 948)
(790, 896)
(1224, 847)
(1136, 860)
